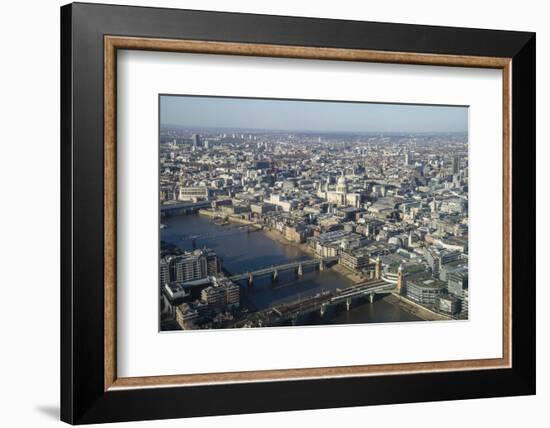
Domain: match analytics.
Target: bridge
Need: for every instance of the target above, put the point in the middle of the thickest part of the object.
(370, 289)
(321, 301)
(274, 270)
(278, 315)
(168, 210)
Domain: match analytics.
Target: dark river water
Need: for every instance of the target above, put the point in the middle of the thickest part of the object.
(243, 251)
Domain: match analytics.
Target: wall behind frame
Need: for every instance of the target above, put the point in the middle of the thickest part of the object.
(29, 223)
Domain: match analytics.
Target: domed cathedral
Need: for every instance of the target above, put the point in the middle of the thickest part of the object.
(342, 184)
(340, 196)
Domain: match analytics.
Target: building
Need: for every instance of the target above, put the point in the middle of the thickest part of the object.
(330, 244)
(408, 157)
(261, 208)
(378, 268)
(285, 205)
(168, 193)
(224, 295)
(213, 296)
(164, 271)
(237, 207)
(453, 206)
(232, 295)
(400, 280)
(384, 208)
(186, 316)
(424, 290)
(342, 185)
(190, 266)
(194, 193)
(457, 282)
(196, 140)
(372, 227)
(457, 265)
(176, 290)
(340, 196)
(297, 233)
(449, 226)
(262, 164)
(218, 203)
(439, 256)
(447, 304)
(354, 260)
(213, 262)
(456, 164)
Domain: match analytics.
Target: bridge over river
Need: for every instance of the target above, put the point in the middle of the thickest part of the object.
(274, 270)
(181, 208)
(322, 301)
(280, 314)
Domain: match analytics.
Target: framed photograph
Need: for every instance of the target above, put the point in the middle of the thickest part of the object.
(266, 213)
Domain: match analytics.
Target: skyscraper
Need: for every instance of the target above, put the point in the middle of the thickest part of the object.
(408, 157)
(196, 138)
(456, 164)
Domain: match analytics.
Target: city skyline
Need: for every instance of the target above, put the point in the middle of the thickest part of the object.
(336, 224)
(281, 115)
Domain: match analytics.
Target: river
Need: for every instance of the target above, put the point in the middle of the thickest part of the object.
(243, 251)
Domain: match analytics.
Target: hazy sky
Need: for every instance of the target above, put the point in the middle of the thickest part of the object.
(321, 116)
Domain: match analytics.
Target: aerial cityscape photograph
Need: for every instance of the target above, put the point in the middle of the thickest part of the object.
(280, 213)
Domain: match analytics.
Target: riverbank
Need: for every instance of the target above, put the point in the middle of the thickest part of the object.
(213, 215)
(208, 213)
(278, 237)
(351, 275)
(414, 308)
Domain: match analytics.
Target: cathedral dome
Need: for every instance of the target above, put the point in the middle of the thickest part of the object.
(342, 186)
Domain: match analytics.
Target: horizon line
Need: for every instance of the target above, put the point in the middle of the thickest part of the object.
(309, 131)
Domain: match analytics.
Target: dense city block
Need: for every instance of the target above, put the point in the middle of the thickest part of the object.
(388, 211)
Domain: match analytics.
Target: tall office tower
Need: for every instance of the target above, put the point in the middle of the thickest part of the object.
(196, 138)
(456, 164)
(409, 158)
